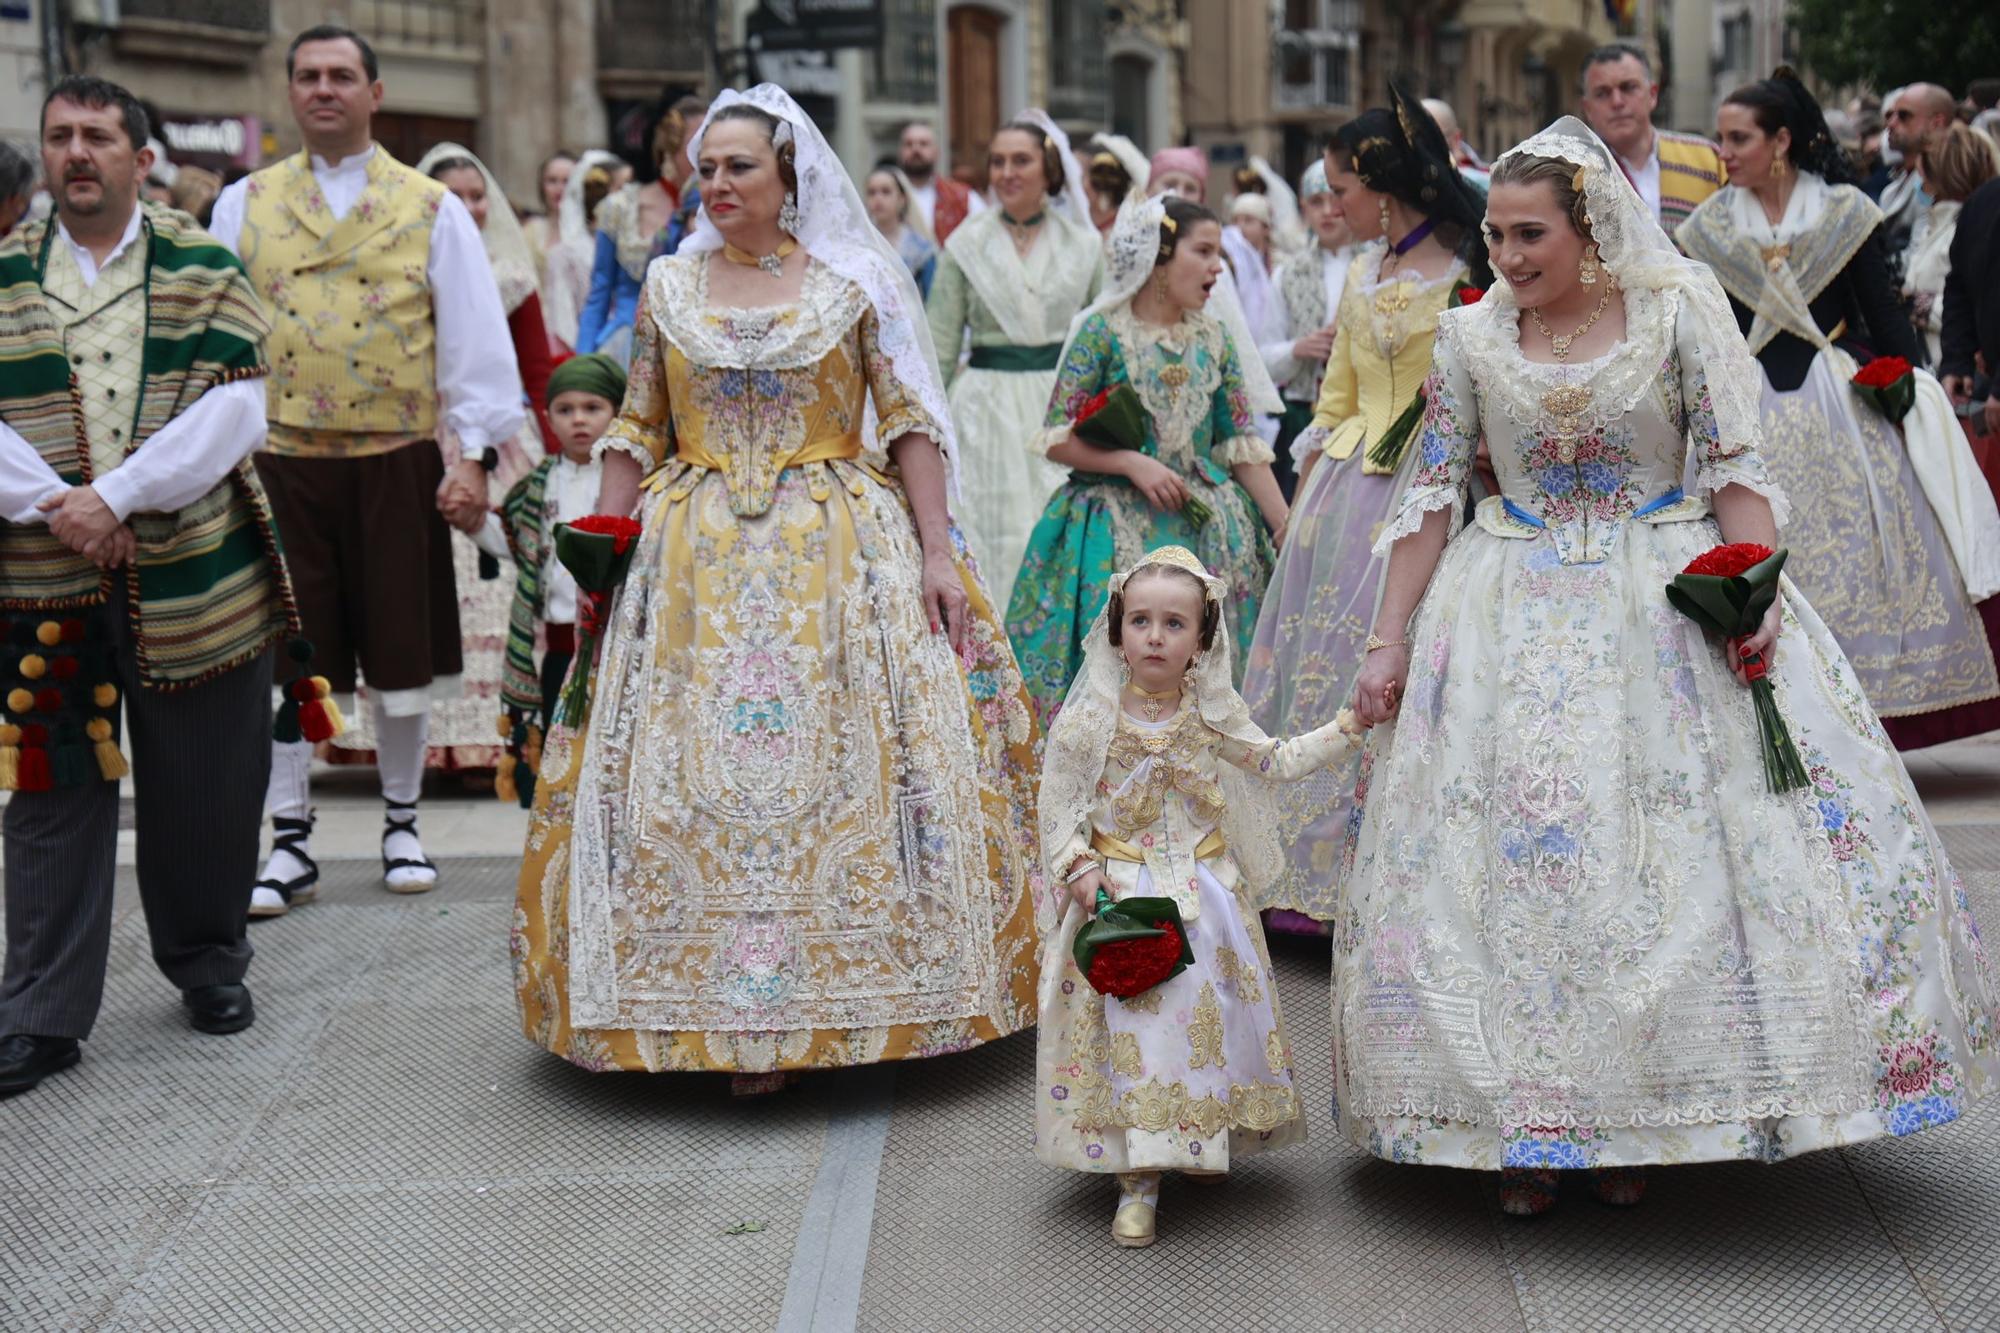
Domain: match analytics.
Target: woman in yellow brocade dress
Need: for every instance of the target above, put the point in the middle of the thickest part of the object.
(797, 829)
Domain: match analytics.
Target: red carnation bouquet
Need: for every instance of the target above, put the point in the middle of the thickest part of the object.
(597, 551)
(1114, 418)
(1888, 382)
(1726, 590)
(1131, 946)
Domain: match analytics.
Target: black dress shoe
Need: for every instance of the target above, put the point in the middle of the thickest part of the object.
(26, 1061)
(219, 1010)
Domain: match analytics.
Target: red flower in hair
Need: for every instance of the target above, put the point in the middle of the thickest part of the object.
(1470, 295)
(1882, 372)
(1726, 562)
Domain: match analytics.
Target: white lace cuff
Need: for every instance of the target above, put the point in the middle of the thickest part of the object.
(1749, 474)
(1047, 438)
(619, 444)
(1410, 516)
(1242, 449)
(1310, 440)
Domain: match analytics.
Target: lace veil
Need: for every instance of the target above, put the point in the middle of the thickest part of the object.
(571, 223)
(1075, 203)
(1638, 255)
(1130, 252)
(506, 244)
(1137, 169)
(1079, 742)
(1288, 227)
(835, 229)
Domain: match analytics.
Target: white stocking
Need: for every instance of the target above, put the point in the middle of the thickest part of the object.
(400, 743)
(289, 796)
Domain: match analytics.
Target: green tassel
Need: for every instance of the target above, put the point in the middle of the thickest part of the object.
(285, 727)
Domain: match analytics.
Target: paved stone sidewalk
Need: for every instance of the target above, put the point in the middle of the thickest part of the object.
(383, 1151)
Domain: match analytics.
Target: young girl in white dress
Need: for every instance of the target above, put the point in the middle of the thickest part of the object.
(1156, 783)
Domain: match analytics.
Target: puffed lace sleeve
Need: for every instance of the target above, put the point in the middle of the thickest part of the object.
(1085, 369)
(643, 428)
(1446, 441)
(898, 412)
(1232, 427)
(1724, 414)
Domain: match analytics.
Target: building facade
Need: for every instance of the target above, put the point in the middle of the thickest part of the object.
(512, 79)
(517, 78)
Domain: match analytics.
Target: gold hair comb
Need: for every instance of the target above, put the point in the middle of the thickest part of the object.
(1171, 226)
(1576, 181)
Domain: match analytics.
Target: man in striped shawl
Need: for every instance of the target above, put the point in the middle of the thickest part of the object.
(138, 564)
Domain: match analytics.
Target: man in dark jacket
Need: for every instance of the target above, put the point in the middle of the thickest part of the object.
(1971, 336)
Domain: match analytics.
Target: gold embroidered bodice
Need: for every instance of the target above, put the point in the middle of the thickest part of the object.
(749, 392)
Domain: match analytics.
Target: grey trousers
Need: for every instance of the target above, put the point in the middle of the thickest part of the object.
(201, 758)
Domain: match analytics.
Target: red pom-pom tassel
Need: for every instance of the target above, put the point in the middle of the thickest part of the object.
(36, 774)
(314, 724)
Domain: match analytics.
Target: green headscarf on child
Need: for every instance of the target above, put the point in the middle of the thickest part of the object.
(591, 373)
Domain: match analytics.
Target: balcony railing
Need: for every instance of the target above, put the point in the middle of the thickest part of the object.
(246, 16)
(665, 37)
(437, 24)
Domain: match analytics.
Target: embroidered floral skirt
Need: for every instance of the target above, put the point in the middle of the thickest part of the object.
(1194, 1073)
(1303, 661)
(1867, 549)
(1096, 526)
(796, 831)
(1578, 929)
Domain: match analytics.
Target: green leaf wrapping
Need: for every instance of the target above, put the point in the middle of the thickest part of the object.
(1388, 451)
(1733, 608)
(1119, 424)
(598, 566)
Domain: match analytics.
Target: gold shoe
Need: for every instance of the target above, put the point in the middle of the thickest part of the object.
(1133, 1226)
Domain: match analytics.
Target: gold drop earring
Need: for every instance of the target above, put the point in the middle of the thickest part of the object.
(1779, 166)
(1587, 270)
(1385, 219)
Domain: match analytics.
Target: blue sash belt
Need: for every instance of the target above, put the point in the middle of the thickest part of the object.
(1520, 515)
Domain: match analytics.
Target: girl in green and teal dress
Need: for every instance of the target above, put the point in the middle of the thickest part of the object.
(1203, 478)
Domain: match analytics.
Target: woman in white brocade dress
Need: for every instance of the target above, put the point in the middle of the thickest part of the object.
(1578, 930)
(1013, 276)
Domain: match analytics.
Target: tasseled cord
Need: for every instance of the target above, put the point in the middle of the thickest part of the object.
(308, 712)
(520, 761)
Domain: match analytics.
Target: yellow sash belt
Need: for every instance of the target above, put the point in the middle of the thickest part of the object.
(1117, 849)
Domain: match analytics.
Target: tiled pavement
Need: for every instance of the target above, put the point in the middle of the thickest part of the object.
(383, 1151)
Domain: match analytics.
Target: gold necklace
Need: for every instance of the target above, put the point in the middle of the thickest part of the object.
(1559, 342)
(773, 263)
(1152, 702)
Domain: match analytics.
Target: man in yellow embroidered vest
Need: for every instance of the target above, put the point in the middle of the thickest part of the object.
(137, 563)
(382, 303)
(1672, 172)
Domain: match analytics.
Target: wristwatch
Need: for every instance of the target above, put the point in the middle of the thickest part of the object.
(489, 458)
